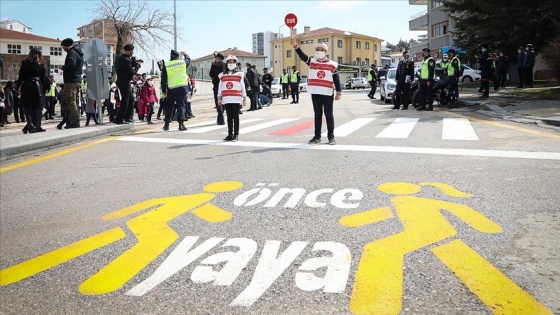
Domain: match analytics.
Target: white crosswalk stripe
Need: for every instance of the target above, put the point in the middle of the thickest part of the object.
(217, 127)
(269, 124)
(458, 129)
(350, 127)
(399, 129)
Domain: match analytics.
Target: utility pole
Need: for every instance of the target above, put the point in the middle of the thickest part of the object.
(175, 24)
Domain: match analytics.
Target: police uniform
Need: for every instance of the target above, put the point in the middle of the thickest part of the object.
(125, 72)
(426, 87)
(285, 80)
(372, 79)
(453, 72)
(404, 75)
(294, 85)
(174, 83)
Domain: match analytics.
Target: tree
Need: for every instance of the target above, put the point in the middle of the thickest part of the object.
(551, 55)
(504, 24)
(136, 21)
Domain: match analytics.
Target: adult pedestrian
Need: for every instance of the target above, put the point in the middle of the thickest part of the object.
(294, 85)
(33, 83)
(232, 95)
(174, 83)
(485, 62)
(72, 76)
(267, 78)
(64, 112)
(372, 78)
(9, 101)
(254, 86)
(404, 77)
(83, 95)
(285, 81)
(520, 73)
(528, 64)
(19, 114)
(50, 99)
(322, 75)
(426, 86)
(453, 73)
(127, 67)
(502, 65)
(494, 72)
(216, 68)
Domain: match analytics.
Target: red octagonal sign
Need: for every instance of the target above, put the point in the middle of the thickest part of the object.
(290, 20)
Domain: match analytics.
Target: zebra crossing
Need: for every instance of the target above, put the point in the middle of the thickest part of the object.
(399, 128)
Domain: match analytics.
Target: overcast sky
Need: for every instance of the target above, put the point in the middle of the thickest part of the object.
(206, 26)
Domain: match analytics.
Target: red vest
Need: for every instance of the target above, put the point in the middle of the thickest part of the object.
(320, 80)
(230, 85)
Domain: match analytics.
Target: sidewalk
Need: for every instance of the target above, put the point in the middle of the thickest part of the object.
(508, 106)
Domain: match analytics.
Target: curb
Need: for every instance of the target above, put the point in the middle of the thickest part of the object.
(14, 145)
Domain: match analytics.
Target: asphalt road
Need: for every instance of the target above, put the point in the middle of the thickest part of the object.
(409, 213)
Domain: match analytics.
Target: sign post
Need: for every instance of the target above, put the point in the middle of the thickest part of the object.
(291, 21)
(95, 52)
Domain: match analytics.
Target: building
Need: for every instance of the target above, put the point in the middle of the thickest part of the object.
(354, 52)
(15, 46)
(262, 45)
(438, 25)
(201, 66)
(17, 26)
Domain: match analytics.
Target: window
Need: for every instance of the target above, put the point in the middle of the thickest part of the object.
(339, 43)
(367, 45)
(14, 49)
(436, 4)
(359, 61)
(288, 53)
(439, 29)
(358, 44)
(39, 48)
(56, 51)
(339, 60)
(375, 47)
(367, 61)
(323, 40)
(310, 41)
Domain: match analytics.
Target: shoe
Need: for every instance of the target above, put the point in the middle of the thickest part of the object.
(404, 108)
(331, 141)
(59, 127)
(228, 138)
(235, 138)
(485, 96)
(86, 125)
(296, 102)
(430, 109)
(371, 97)
(240, 113)
(129, 120)
(222, 123)
(394, 108)
(40, 129)
(292, 102)
(158, 118)
(166, 126)
(192, 116)
(72, 126)
(51, 117)
(150, 122)
(314, 141)
(182, 127)
(121, 123)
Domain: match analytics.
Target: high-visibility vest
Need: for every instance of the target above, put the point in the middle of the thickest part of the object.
(231, 90)
(425, 69)
(369, 76)
(451, 69)
(176, 73)
(444, 64)
(52, 90)
(285, 78)
(320, 78)
(294, 79)
(83, 85)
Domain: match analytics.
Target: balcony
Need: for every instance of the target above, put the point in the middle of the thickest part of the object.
(419, 22)
(418, 2)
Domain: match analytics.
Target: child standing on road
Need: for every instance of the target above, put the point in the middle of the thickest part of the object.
(91, 111)
(232, 95)
(322, 75)
(148, 97)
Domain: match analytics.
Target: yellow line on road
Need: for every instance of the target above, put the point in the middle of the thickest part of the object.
(502, 125)
(66, 151)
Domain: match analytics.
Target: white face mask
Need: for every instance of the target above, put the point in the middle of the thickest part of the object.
(527, 49)
(150, 83)
(483, 49)
(319, 54)
(231, 66)
(445, 59)
(501, 55)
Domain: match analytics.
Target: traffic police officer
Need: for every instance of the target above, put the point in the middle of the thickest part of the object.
(285, 83)
(174, 84)
(372, 79)
(404, 76)
(485, 62)
(444, 63)
(427, 72)
(453, 72)
(50, 97)
(294, 85)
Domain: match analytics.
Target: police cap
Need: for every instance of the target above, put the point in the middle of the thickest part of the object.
(128, 47)
(426, 49)
(174, 52)
(451, 51)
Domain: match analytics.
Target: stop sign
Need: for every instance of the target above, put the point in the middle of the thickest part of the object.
(290, 20)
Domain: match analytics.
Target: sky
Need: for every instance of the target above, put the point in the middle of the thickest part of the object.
(207, 26)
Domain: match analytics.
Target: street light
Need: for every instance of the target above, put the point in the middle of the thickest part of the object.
(281, 48)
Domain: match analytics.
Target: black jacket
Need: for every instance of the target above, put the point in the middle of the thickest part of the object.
(215, 69)
(485, 62)
(72, 69)
(267, 79)
(502, 63)
(529, 60)
(125, 71)
(253, 78)
(403, 69)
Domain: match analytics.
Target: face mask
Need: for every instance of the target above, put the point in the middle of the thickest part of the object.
(150, 83)
(231, 66)
(527, 49)
(444, 59)
(519, 51)
(501, 55)
(483, 49)
(319, 54)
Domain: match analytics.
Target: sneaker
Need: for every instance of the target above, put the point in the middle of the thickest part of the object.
(331, 141)
(235, 138)
(228, 138)
(314, 141)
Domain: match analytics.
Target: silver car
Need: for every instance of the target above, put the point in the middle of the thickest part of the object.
(276, 87)
(388, 85)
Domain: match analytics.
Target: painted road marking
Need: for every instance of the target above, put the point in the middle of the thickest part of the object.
(399, 129)
(294, 129)
(265, 125)
(358, 148)
(458, 129)
(350, 127)
(218, 127)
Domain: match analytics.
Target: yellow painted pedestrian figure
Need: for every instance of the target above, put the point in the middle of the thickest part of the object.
(151, 230)
(379, 279)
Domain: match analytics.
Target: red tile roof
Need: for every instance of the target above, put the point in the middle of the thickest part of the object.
(230, 51)
(332, 31)
(9, 34)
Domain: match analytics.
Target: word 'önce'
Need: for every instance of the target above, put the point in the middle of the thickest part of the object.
(339, 199)
(270, 266)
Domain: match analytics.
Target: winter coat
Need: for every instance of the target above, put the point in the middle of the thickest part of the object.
(147, 95)
(72, 69)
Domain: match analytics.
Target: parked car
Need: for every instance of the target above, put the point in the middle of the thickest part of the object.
(388, 85)
(469, 74)
(303, 85)
(276, 87)
(348, 84)
(359, 83)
